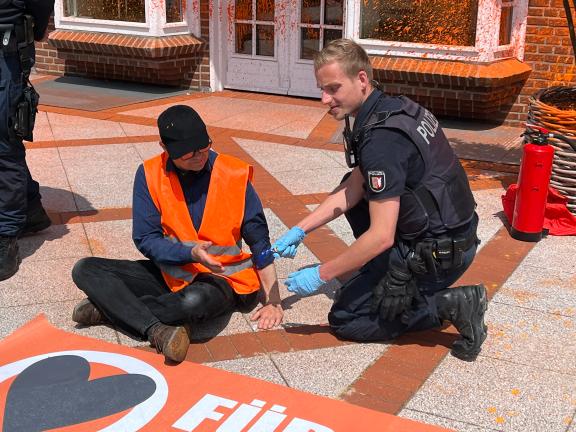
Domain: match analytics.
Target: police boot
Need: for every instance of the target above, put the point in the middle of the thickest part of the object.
(464, 307)
(36, 219)
(171, 341)
(85, 313)
(9, 257)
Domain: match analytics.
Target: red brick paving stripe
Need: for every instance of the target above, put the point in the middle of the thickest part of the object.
(102, 215)
(92, 141)
(391, 381)
(251, 344)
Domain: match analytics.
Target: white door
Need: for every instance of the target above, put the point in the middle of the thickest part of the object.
(270, 43)
(256, 51)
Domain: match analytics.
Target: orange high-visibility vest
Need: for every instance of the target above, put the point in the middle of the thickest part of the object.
(221, 221)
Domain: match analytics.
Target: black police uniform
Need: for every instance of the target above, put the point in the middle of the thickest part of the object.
(402, 152)
(20, 207)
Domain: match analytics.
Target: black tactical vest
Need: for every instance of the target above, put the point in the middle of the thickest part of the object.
(11, 11)
(442, 200)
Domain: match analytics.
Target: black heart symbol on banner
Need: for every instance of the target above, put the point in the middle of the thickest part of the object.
(55, 392)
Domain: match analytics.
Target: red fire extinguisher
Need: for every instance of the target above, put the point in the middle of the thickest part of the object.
(533, 181)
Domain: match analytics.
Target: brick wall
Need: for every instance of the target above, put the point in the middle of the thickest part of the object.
(176, 60)
(548, 52)
(454, 89)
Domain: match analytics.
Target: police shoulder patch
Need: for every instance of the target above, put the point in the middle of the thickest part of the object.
(376, 181)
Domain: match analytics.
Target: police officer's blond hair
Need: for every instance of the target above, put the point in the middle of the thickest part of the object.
(348, 54)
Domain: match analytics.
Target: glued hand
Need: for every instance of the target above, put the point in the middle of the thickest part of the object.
(268, 316)
(286, 245)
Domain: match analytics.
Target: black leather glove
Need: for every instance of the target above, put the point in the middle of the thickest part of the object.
(394, 293)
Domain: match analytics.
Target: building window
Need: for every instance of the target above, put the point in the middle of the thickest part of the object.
(110, 10)
(174, 11)
(442, 22)
(506, 15)
(468, 30)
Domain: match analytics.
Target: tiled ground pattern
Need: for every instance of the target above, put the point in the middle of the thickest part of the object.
(85, 162)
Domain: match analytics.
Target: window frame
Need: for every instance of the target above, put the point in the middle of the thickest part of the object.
(485, 49)
(155, 23)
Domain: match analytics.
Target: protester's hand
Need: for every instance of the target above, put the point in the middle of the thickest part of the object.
(286, 245)
(268, 316)
(200, 256)
(304, 282)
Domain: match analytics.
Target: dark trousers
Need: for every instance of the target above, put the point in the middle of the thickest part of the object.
(17, 188)
(350, 316)
(134, 296)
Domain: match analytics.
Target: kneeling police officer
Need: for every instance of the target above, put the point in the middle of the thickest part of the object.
(21, 212)
(411, 210)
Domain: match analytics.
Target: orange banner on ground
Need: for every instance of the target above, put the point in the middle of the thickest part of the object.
(51, 379)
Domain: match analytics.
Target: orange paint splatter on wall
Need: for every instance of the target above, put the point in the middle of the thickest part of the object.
(441, 22)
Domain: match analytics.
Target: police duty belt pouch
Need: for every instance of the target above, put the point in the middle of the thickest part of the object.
(25, 115)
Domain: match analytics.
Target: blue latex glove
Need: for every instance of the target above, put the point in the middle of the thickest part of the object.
(304, 282)
(286, 245)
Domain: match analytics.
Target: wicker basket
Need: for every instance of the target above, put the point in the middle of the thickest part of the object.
(554, 108)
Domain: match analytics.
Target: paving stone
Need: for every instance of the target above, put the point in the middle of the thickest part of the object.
(103, 175)
(553, 253)
(47, 169)
(540, 289)
(300, 170)
(112, 239)
(497, 395)
(489, 211)
(260, 367)
(148, 150)
(531, 337)
(69, 127)
(329, 371)
(55, 242)
(58, 313)
(30, 286)
(440, 421)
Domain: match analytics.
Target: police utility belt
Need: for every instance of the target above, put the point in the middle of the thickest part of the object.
(442, 253)
(19, 38)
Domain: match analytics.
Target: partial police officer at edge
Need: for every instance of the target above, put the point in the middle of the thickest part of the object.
(21, 212)
(411, 210)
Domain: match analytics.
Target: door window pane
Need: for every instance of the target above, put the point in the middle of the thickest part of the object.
(265, 10)
(243, 10)
(330, 35)
(333, 12)
(265, 40)
(113, 10)
(309, 42)
(443, 22)
(310, 11)
(244, 39)
(174, 12)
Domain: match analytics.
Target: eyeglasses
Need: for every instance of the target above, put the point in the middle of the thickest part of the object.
(202, 151)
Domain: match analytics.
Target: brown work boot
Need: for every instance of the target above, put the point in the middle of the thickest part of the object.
(171, 341)
(85, 313)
